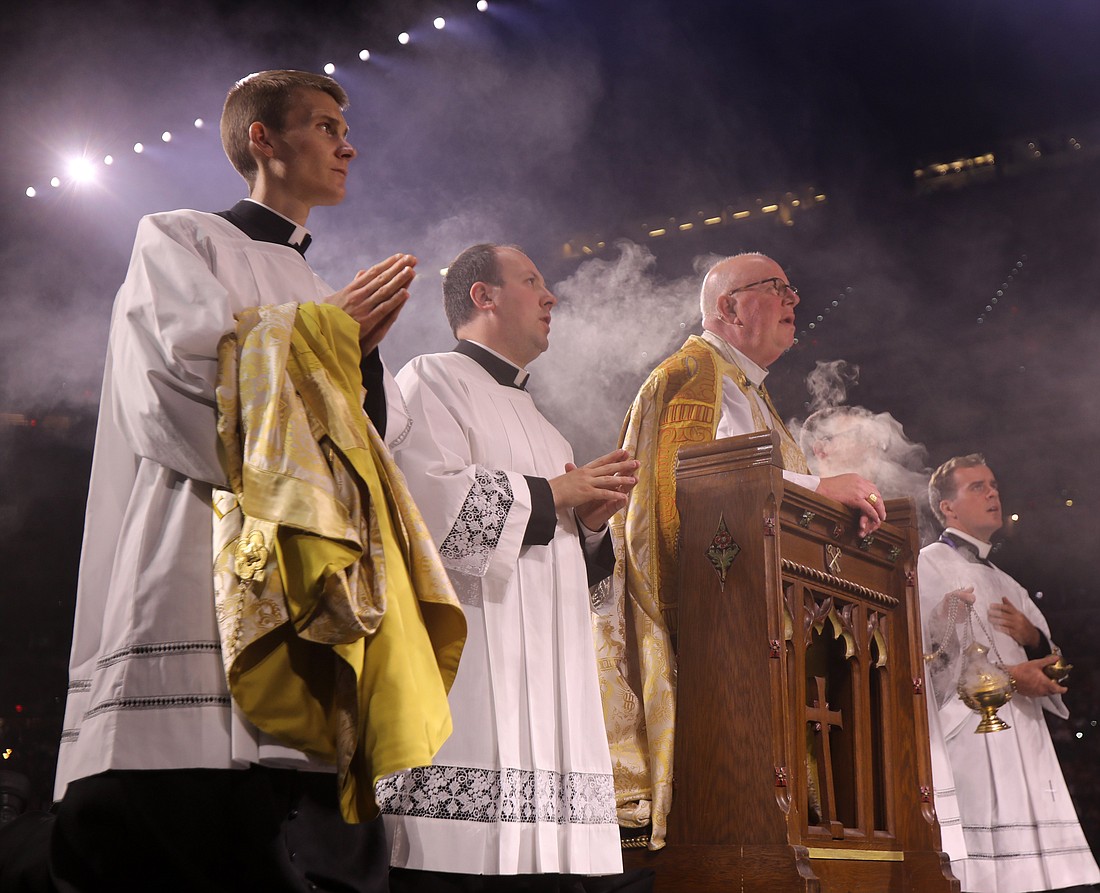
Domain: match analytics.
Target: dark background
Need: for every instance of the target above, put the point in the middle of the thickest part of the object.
(564, 126)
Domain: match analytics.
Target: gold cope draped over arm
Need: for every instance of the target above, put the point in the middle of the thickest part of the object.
(679, 404)
(340, 631)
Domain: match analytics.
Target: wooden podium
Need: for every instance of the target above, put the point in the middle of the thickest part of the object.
(800, 680)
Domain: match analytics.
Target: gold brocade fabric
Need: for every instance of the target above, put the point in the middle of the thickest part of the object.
(679, 404)
(340, 631)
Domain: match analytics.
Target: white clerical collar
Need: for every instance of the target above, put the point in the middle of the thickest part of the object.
(983, 548)
(300, 232)
(509, 374)
(754, 373)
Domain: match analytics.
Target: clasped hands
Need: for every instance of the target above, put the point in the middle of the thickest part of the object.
(375, 296)
(597, 490)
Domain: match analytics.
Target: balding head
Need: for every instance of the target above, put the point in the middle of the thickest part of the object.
(746, 310)
(727, 274)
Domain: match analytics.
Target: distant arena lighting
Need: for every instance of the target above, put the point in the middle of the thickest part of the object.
(31, 192)
(167, 136)
(81, 169)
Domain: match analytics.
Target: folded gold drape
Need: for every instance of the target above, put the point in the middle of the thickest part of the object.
(340, 631)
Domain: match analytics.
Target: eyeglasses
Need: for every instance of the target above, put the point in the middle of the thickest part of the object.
(778, 286)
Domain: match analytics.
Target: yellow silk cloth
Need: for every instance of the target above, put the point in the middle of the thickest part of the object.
(340, 631)
(679, 404)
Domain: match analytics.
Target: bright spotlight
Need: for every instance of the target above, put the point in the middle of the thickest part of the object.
(55, 182)
(482, 5)
(330, 68)
(166, 137)
(440, 23)
(364, 55)
(31, 192)
(81, 170)
(403, 38)
(139, 148)
(108, 160)
(199, 122)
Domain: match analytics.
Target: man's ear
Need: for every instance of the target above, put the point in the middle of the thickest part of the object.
(259, 140)
(945, 504)
(481, 296)
(730, 315)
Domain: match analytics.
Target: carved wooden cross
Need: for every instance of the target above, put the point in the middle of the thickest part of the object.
(823, 719)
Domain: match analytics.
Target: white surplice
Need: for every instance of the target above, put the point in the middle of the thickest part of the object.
(1019, 823)
(952, 839)
(524, 783)
(147, 687)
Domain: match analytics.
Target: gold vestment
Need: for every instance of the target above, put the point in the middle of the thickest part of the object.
(340, 631)
(680, 403)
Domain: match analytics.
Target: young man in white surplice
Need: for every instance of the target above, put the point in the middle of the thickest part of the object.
(523, 787)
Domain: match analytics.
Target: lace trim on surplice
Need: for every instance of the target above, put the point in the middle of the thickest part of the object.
(477, 529)
(462, 793)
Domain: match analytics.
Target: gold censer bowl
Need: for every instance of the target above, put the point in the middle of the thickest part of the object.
(987, 700)
(985, 687)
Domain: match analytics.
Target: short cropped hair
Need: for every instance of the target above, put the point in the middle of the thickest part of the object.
(266, 97)
(478, 263)
(709, 292)
(942, 484)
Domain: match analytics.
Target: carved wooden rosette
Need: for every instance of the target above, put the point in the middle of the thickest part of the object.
(722, 550)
